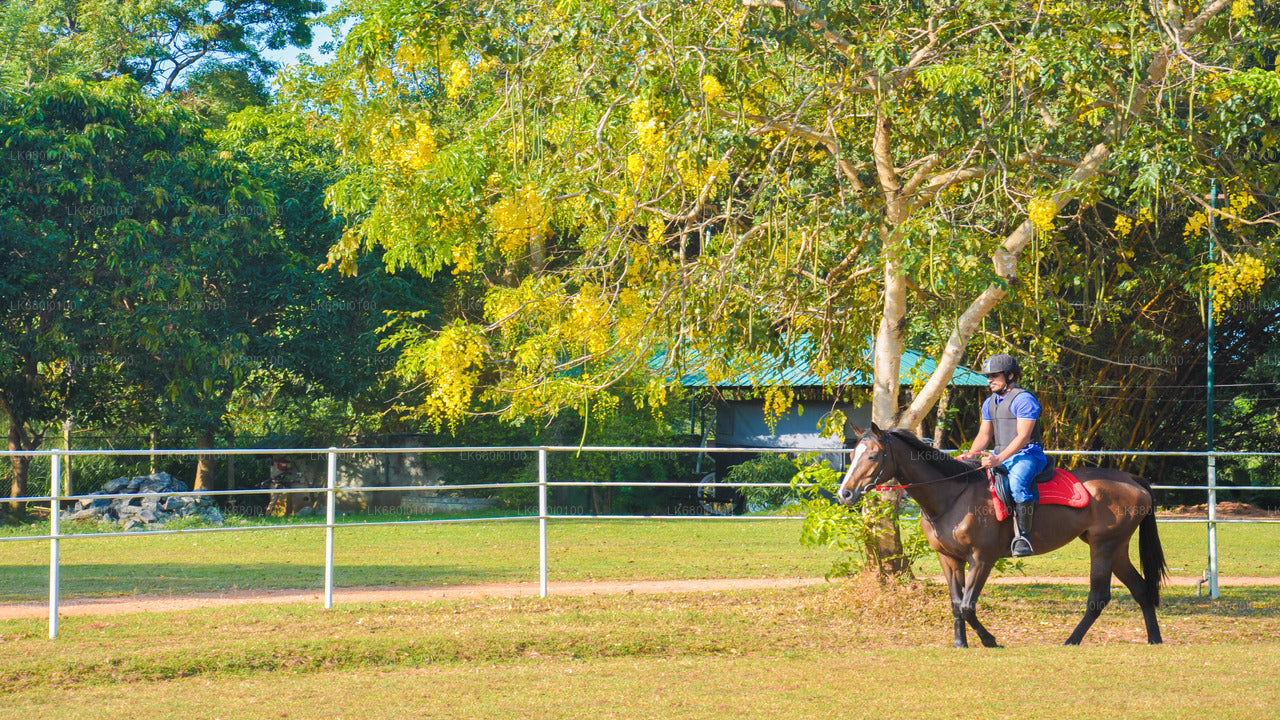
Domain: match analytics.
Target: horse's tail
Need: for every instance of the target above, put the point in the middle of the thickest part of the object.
(1150, 551)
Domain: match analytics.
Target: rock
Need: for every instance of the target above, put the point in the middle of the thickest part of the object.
(145, 509)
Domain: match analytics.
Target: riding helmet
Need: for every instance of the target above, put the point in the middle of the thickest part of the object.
(1001, 363)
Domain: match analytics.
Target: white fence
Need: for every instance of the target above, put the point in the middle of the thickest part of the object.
(543, 484)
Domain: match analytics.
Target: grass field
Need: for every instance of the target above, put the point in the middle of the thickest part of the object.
(487, 552)
(849, 650)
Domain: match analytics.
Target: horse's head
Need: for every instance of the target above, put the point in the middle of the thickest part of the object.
(871, 463)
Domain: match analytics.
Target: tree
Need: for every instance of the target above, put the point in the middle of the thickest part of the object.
(709, 179)
(114, 210)
(327, 372)
(155, 43)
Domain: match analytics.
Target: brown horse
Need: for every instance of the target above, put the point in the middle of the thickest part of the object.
(958, 518)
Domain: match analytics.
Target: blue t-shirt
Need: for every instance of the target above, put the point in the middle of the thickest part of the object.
(1024, 407)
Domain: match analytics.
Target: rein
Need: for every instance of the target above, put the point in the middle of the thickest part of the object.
(886, 488)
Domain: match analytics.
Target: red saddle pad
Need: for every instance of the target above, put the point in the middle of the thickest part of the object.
(1064, 489)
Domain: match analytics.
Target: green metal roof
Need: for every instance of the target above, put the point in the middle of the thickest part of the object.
(794, 370)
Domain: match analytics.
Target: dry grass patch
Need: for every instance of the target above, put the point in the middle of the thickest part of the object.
(861, 615)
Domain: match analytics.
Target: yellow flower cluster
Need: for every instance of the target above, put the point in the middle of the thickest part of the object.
(698, 175)
(651, 126)
(464, 258)
(451, 365)
(626, 208)
(1125, 225)
(656, 394)
(1196, 224)
(635, 168)
(587, 321)
(519, 219)
(1042, 212)
(657, 232)
(1241, 9)
(1237, 204)
(421, 150)
(559, 131)
(1240, 279)
(459, 78)
(1055, 7)
(712, 90)
(777, 401)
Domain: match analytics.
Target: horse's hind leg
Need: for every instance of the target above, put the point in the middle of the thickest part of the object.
(1128, 574)
(1099, 590)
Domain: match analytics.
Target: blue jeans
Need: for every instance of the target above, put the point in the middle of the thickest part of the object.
(1023, 469)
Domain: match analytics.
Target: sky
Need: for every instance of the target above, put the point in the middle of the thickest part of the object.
(321, 35)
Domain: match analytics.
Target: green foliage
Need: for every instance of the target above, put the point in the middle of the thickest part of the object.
(851, 530)
(710, 179)
(771, 468)
(153, 42)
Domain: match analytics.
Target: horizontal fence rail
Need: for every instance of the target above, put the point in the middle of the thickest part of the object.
(542, 485)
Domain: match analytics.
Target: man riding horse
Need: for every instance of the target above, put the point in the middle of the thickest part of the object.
(1011, 415)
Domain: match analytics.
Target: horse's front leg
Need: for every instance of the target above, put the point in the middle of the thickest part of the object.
(953, 573)
(979, 570)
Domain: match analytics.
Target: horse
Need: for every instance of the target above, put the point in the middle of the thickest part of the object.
(958, 517)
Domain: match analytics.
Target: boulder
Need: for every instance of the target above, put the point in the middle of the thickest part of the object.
(147, 509)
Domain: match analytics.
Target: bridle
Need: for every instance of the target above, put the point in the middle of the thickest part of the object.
(875, 482)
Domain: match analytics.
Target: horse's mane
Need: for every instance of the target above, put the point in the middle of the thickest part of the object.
(939, 460)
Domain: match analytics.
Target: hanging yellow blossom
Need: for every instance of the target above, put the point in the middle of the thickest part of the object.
(519, 219)
(1232, 282)
(459, 78)
(651, 126)
(1123, 225)
(712, 90)
(1042, 212)
(656, 234)
(635, 168)
(421, 150)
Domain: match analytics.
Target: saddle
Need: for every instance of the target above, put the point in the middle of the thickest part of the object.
(1054, 485)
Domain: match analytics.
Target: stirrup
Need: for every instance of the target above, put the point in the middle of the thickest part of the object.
(1021, 547)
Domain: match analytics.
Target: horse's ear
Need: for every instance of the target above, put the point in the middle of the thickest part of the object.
(875, 430)
(851, 440)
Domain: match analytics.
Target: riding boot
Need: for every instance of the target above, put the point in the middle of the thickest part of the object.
(1023, 513)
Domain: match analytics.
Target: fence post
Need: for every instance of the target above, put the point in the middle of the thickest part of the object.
(1212, 572)
(542, 522)
(331, 503)
(55, 530)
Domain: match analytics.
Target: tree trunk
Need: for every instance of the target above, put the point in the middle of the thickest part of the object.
(19, 465)
(231, 462)
(940, 422)
(155, 443)
(206, 464)
(67, 483)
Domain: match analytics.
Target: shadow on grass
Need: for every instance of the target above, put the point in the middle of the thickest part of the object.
(1252, 602)
(27, 583)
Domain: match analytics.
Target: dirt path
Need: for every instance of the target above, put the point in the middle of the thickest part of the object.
(153, 603)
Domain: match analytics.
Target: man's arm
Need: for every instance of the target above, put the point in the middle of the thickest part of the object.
(983, 440)
(1026, 426)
